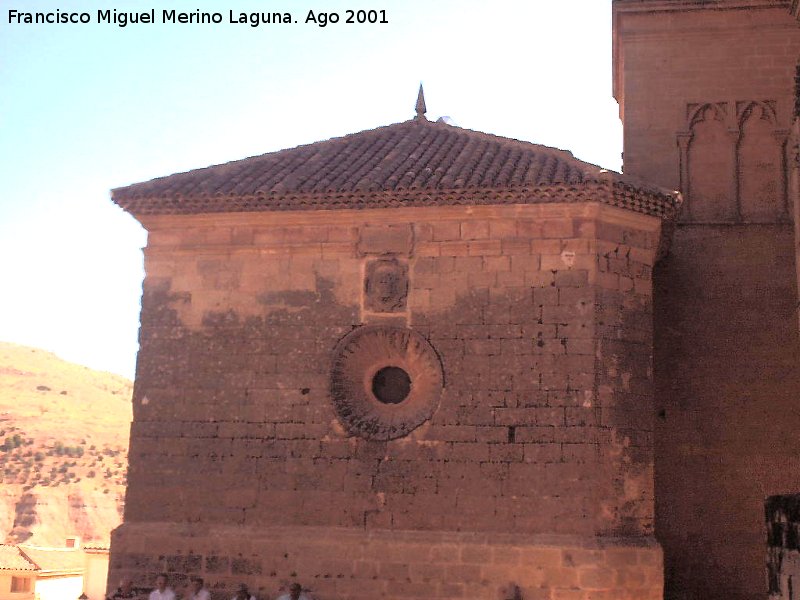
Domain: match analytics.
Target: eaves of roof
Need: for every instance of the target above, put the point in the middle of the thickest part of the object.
(410, 164)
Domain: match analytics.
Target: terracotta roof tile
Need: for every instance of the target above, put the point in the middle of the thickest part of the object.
(11, 559)
(414, 163)
(94, 546)
(55, 560)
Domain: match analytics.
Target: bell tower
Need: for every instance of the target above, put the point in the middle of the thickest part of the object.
(706, 98)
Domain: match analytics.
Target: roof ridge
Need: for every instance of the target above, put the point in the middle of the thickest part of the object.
(28, 558)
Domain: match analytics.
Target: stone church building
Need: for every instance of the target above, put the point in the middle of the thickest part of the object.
(426, 362)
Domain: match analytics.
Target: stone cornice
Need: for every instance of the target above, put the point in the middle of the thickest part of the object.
(632, 196)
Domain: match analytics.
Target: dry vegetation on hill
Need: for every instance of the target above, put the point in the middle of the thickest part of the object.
(63, 447)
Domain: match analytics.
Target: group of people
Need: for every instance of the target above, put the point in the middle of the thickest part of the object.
(196, 591)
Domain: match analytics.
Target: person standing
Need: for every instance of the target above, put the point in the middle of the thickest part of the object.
(197, 590)
(242, 593)
(295, 593)
(124, 591)
(162, 591)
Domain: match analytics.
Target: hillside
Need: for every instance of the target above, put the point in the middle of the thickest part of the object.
(63, 448)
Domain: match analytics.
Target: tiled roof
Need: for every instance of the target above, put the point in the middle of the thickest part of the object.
(11, 559)
(55, 560)
(414, 163)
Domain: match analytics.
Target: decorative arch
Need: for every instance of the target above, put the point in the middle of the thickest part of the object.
(709, 162)
(761, 166)
(698, 113)
(763, 110)
(733, 162)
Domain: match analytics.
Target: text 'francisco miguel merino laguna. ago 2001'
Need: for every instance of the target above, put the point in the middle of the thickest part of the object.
(197, 17)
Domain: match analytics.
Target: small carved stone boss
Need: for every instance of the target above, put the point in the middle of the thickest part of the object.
(386, 285)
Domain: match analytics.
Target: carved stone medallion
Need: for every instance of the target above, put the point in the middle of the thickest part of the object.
(385, 382)
(386, 286)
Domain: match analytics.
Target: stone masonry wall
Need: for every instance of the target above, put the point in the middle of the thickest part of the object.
(672, 55)
(354, 565)
(706, 96)
(726, 383)
(540, 315)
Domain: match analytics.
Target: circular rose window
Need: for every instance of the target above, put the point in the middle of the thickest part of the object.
(385, 381)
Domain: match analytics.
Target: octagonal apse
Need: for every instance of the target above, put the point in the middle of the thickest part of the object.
(428, 379)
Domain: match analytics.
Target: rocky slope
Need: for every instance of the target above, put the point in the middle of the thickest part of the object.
(63, 448)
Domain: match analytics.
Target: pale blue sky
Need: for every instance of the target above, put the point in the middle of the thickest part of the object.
(86, 108)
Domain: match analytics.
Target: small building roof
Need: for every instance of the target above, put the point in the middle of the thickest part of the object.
(55, 561)
(12, 559)
(413, 163)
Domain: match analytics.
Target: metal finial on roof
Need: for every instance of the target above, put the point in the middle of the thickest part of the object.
(421, 109)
